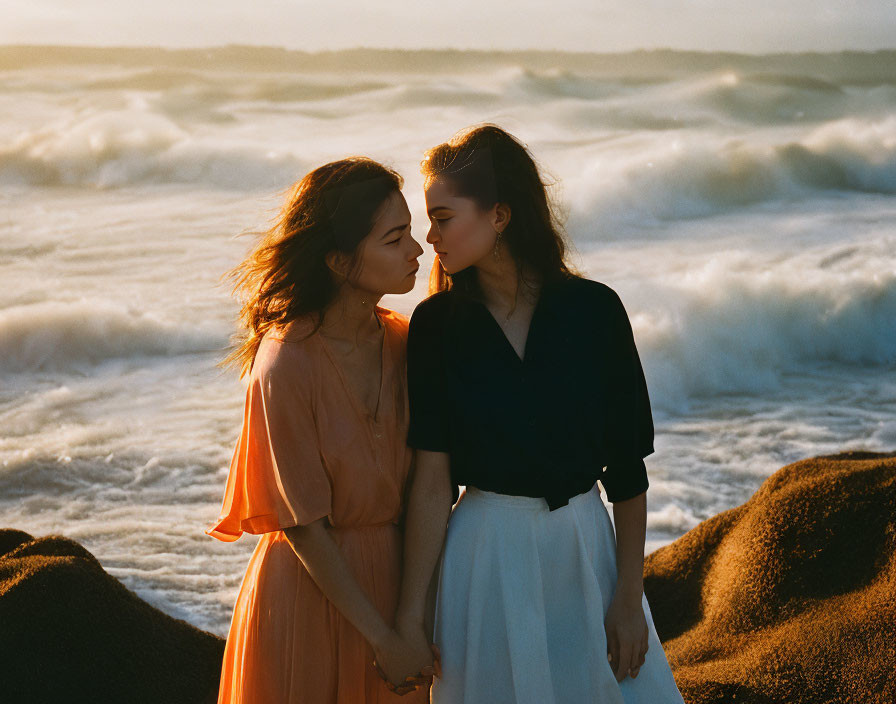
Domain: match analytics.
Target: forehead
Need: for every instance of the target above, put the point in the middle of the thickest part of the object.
(394, 207)
(393, 213)
(438, 191)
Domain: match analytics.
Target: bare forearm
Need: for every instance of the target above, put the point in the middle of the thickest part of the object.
(630, 519)
(428, 511)
(325, 563)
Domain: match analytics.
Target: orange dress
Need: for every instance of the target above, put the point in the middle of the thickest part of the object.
(308, 449)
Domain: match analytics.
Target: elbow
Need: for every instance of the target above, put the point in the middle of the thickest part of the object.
(432, 478)
(624, 498)
(625, 479)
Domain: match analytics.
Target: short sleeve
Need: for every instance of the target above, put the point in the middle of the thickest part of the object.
(628, 428)
(277, 478)
(429, 424)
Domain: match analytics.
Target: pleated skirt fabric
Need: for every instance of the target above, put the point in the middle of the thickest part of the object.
(520, 607)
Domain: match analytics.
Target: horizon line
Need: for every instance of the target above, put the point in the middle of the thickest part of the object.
(431, 50)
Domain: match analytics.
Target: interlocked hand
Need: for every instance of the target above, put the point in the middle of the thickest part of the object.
(411, 682)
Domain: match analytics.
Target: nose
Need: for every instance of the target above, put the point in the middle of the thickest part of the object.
(433, 235)
(416, 251)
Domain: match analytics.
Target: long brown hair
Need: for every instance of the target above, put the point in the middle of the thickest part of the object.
(286, 276)
(490, 165)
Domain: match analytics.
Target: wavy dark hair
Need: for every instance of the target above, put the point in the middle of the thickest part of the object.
(286, 276)
(490, 165)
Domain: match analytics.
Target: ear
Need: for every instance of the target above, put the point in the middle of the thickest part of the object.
(338, 263)
(502, 216)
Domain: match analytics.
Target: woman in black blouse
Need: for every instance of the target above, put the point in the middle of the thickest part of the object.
(525, 386)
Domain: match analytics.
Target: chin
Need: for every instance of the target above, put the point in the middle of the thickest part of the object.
(458, 264)
(451, 271)
(447, 268)
(404, 286)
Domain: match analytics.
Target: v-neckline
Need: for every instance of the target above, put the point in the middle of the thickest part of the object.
(521, 360)
(358, 403)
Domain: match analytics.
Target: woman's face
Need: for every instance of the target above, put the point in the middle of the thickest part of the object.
(387, 256)
(461, 233)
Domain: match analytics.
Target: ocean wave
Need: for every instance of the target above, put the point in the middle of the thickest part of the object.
(135, 146)
(773, 99)
(556, 83)
(689, 176)
(218, 87)
(721, 332)
(57, 336)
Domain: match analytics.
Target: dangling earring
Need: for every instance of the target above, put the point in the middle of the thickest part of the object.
(497, 242)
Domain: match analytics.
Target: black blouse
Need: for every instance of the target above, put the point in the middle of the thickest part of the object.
(574, 410)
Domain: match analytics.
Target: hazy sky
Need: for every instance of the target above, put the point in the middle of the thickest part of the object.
(577, 25)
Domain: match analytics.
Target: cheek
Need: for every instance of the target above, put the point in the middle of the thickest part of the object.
(466, 238)
(382, 266)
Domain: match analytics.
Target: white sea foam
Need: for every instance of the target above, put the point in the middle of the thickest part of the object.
(693, 175)
(720, 332)
(113, 148)
(56, 336)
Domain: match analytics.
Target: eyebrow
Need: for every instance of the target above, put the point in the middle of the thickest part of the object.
(397, 227)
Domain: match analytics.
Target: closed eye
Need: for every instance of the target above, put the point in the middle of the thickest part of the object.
(407, 229)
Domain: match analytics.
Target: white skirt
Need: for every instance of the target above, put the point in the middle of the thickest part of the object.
(522, 597)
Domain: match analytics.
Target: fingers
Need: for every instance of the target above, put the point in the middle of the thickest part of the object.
(626, 660)
(423, 677)
(613, 652)
(411, 682)
(403, 689)
(642, 652)
(409, 685)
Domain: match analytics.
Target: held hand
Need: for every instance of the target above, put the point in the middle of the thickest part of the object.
(401, 665)
(626, 629)
(415, 636)
(414, 633)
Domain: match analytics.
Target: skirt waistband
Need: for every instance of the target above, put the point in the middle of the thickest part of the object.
(536, 503)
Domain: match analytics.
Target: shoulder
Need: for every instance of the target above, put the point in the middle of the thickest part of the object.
(287, 354)
(436, 304)
(295, 332)
(432, 311)
(394, 321)
(428, 324)
(588, 294)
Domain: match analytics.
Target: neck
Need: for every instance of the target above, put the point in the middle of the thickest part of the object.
(352, 315)
(501, 283)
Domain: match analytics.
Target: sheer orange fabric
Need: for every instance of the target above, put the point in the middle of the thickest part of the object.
(308, 449)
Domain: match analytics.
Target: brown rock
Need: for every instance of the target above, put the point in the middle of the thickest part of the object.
(70, 632)
(790, 597)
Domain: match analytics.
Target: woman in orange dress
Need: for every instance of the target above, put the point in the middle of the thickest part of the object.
(321, 463)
